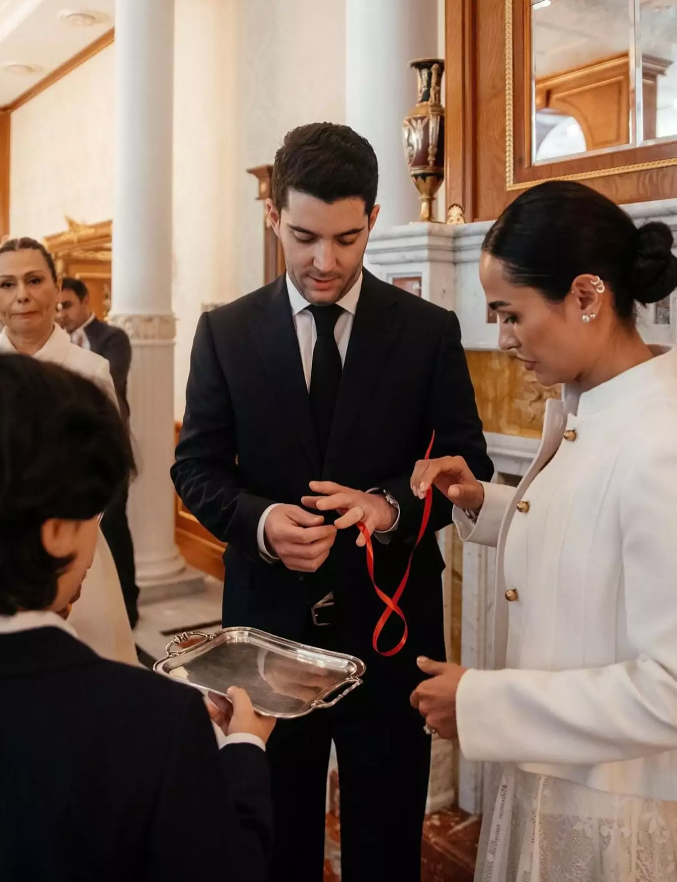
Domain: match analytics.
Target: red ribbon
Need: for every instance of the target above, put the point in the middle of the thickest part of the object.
(392, 603)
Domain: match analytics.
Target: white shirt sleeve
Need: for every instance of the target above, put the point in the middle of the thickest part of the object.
(237, 738)
(261, 535)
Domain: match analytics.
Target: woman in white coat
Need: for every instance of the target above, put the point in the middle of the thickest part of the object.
(29, 294)
(582, 707)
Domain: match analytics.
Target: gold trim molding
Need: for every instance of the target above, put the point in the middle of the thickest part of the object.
(511, 184)
(88, 52)
(145, 328)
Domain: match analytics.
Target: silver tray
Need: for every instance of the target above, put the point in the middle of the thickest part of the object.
(283, 679)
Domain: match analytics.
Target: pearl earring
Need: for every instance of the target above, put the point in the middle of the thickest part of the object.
(589, 318)
(586, 319)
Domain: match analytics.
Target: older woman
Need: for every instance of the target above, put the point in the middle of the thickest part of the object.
(109, 772)
(583, 713)
(29, 294)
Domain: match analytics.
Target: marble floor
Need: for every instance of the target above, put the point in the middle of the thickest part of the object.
(449, 848)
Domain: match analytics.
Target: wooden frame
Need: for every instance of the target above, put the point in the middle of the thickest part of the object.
(460, 107)
(5, 148)
(487, 93)
(273, 256)
(88, 52)
(635, 162)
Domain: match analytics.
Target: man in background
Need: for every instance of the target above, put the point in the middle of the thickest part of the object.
(76, 317)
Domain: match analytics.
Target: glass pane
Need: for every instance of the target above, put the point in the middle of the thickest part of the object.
(657, 40)
(581, 76)
(557, 135)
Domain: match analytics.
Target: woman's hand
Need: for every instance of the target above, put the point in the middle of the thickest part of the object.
(451, 475)
(238, 716)
(435, 699)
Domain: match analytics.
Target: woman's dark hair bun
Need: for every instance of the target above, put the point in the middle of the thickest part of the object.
(654, 271)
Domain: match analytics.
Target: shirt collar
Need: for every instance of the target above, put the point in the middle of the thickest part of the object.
(27, 621)
(55, 349)
(348, 301)
(88, 322)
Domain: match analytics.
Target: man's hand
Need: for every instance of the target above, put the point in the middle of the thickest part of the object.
(300, 539)
(435, 698)
(354, 506)
(238, 716)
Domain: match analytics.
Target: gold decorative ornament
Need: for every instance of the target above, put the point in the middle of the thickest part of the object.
(570, 435)
(455, 216)
(523, 507)
(511, 595)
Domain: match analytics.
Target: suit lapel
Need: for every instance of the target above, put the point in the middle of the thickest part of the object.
(375, 329)
(277, 345)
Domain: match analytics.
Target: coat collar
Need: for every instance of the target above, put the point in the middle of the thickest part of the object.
(41, 649)
(55, 350)
(661, 369)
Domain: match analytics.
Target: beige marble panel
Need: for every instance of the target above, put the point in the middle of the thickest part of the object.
(510, 399)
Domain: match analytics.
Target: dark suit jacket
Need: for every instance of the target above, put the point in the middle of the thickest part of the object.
(112, 773)
(113, 344)
(248, 440)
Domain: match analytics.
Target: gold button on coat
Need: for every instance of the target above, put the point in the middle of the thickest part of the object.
(511, 595)
(570, 435)
(523, 507)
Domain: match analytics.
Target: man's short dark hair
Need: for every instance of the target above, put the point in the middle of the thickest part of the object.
(76, 286)
(64, 453)
(327, 161)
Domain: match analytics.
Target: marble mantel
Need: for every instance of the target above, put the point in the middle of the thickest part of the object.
(441, 264)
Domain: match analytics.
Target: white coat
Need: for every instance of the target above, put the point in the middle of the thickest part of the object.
(587, 689)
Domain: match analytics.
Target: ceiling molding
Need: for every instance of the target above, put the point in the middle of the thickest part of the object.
(89, 52)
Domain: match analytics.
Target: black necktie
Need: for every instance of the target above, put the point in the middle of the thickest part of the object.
(325, 376)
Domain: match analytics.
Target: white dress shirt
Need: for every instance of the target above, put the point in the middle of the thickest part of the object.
(44, 618)
(79, 337)
(306, 333)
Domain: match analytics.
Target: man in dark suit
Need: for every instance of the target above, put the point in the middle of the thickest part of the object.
(308, 403)
(75, 316)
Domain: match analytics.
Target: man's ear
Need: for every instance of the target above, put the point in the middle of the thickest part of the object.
(274, 216)
(373, 216)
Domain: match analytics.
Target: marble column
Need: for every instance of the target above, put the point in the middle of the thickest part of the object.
(382, 37)
(142, 270)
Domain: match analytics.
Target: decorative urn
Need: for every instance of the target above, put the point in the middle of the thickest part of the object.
(424, 135)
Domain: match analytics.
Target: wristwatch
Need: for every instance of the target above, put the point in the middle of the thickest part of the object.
(390, 499)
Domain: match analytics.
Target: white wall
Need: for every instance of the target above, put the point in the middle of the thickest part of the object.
(62, 152)
(247, 71)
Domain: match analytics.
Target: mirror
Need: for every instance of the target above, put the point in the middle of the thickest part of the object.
(603, 75)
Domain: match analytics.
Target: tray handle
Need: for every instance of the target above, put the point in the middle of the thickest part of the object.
(174, 648)
(346, 687)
